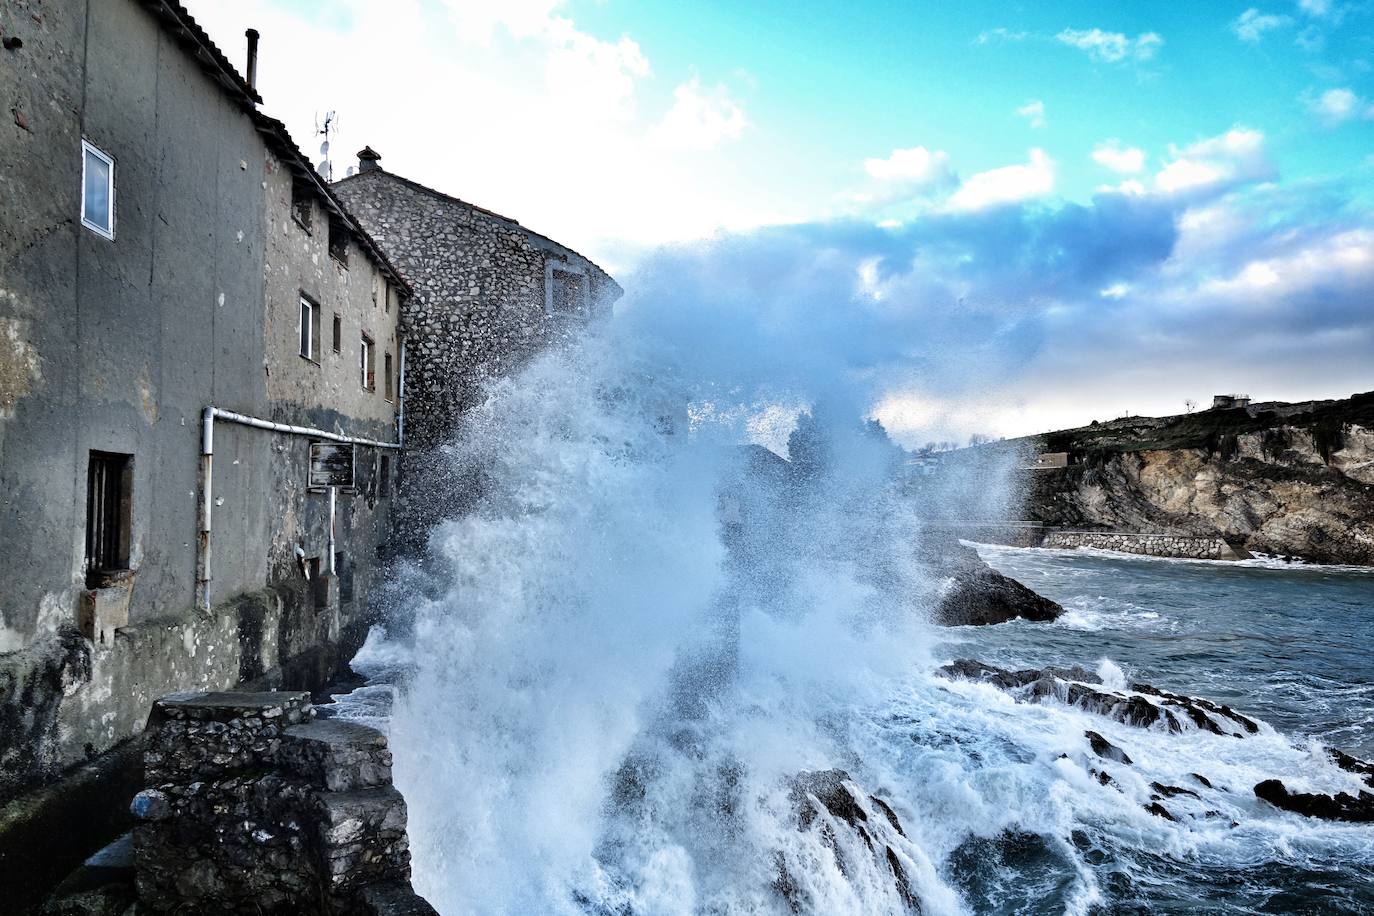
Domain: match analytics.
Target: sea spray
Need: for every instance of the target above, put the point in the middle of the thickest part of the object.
(635, 635)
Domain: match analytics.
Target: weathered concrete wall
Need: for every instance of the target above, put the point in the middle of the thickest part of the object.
(1155, 545)
(117, 345)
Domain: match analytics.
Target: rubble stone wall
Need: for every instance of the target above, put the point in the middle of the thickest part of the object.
(256, 807)
(1155, 545)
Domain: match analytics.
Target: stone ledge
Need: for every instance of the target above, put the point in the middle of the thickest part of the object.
(338, 756)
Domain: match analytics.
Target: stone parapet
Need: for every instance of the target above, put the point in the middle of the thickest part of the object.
(254, 807)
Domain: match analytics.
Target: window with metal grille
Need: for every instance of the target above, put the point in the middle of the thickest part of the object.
(302, 206)
(338, 333)
(109, 511)
(387, 383)
(338, 242)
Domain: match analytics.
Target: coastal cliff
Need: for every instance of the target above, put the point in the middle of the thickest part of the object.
(1289, 479)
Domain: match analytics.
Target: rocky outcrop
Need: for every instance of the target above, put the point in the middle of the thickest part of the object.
(1292, 480)
(979, 595)
(1144, 706)
(828, 801)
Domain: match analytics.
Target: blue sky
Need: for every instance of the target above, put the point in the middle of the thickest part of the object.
(1145, 202)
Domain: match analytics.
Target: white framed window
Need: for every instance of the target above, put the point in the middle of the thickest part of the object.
(309, 329)
(97, 191)
(367, 364)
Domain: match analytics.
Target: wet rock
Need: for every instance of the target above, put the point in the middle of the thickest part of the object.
(1340, 807)
(980, 595)
(1172, 791)
(1105, 749)
(1202, 779)
(1353, 765)
(1143, 707)
(877, 830)
(1159, 810)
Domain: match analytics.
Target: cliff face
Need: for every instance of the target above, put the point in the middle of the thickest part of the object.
(1289, 479)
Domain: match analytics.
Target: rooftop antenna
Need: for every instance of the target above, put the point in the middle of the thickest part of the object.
(327, 128)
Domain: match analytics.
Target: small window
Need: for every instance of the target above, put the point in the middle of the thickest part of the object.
(386, 365)
(97, 191)
(338, 242)
(338, 333)
(386, 288)
(309, 329)
(109, 513)
(367, 364)
(302, 207)
(384, 478)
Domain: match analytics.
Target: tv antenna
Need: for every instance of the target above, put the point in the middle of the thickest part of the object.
(326, 128)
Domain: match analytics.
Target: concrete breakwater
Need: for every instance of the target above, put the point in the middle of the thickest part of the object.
(1189, 547)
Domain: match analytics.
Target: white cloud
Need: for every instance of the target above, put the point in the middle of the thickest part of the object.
(1007, 185)
(700, 119)
(1034, 112)
(1344, 258)
(1115, 291)
(1318, 8)
(1237, 155)
(1252, 24)
(916, 165)
(1336, 105)
(1127, 160)
(1112, 47)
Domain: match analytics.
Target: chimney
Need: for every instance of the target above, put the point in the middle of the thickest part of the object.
(368, 159)
(252, 58)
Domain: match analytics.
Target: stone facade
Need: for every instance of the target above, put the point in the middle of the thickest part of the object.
(487, 291)
(1156, 545)
(253, 807)
(488, 294)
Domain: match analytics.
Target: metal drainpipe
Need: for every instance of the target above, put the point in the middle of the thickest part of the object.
(401, 398)
(207, 478)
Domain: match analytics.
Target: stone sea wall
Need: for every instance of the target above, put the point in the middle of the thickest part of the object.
(1155, 545)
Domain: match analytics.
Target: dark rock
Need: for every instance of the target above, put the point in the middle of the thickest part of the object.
(1172, 791)
(1202, 779)
(1105, 749)
(1159, 810)
(1353, 765)
(1340, 807)
(980, 595)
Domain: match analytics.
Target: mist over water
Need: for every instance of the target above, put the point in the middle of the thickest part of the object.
(628, 639)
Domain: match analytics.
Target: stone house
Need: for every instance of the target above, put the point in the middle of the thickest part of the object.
(488, 294)
(200, 403)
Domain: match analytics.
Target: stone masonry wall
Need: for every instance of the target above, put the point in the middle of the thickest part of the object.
(487, 295)
(1155, 545)
(254, 807)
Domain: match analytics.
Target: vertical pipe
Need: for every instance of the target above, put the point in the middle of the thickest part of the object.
(207, 488)
(401, 397)
(333, 495)
(252, 69)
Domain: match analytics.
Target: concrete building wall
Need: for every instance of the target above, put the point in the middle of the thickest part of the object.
(116, 345)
